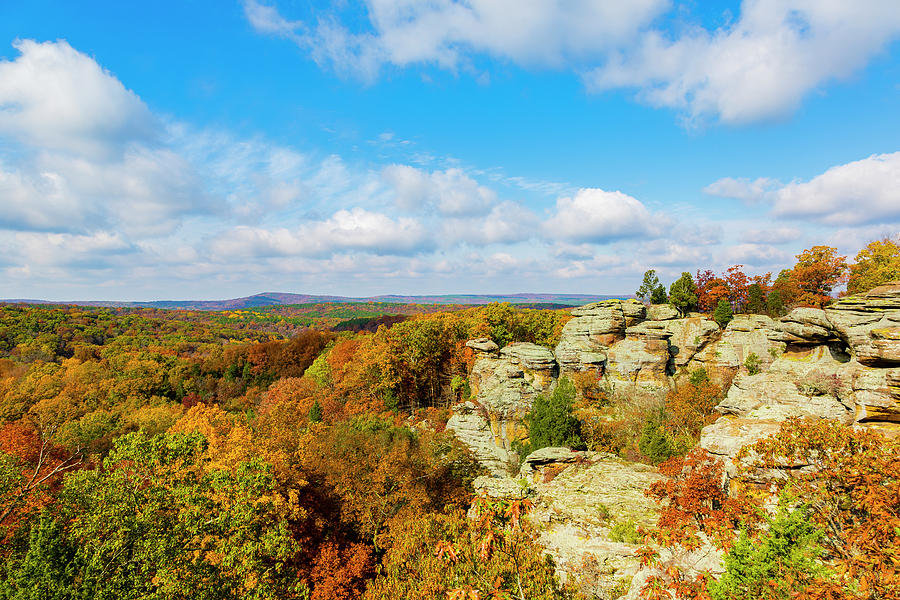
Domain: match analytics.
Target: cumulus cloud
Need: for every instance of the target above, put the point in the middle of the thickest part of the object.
(87, 154)
(451, 192)
(507, 223)
(863, 191)
(345, 231)
(597, 216)
(57, 98)
(759, 66)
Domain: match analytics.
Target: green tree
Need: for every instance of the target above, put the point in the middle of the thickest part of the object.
(723, 313)
(651, 289)
(876, 264)
(683, 293)
(654, 442)
(315, 412)
(780, 564)
(756, 300)
(551, 421)
(775, 304)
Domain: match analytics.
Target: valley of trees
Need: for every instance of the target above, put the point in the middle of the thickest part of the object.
(179, 454)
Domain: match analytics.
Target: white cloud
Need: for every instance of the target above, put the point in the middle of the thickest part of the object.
(346, 231)
(771, 235)
(445, 32)
(86, 153)
(863, 191)
(748, 190)
(57, 98)
(507, 223)
(597, 216)
(450, 192)
(760, 67)
(757, 67)
(756, 255)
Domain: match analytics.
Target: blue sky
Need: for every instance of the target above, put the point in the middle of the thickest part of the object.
(200, 149)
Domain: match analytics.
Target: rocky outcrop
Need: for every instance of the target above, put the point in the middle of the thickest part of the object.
(840, 363)
(744, 335)
(589, 334)
(578, 498)
(689, 336)
(870, 325)
(504, 385)
(804, 326)
(472, 426)
(641, 359)
(877, 394)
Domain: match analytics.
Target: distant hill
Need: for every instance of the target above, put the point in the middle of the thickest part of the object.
(280, 299)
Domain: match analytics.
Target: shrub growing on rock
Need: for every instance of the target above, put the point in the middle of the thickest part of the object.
(723, 313)
(551, 421)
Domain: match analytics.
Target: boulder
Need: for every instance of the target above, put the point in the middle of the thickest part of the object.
(662, 312)
(744, 335)
(585, 338)
(689, 336)
(805, 326)
(486, 345)
(641, 359)
(870, 325)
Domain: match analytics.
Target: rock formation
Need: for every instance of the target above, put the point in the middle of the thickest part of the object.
(840, 363)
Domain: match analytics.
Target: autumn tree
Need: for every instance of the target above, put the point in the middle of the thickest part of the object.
(818, 271)
(876, 264)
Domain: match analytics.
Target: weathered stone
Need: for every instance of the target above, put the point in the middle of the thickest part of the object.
(634, 311)
(538, 459)
(744, 335)
(596, 326)
(505, 386)
(499, 486)
(642, 358)
(877, 395)
(806, 326)
(483, 345)
(728, 435)
(689, 336)
(530, 356)
(470, 424)
(870, 325)
(577, 507)
(662, 312)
